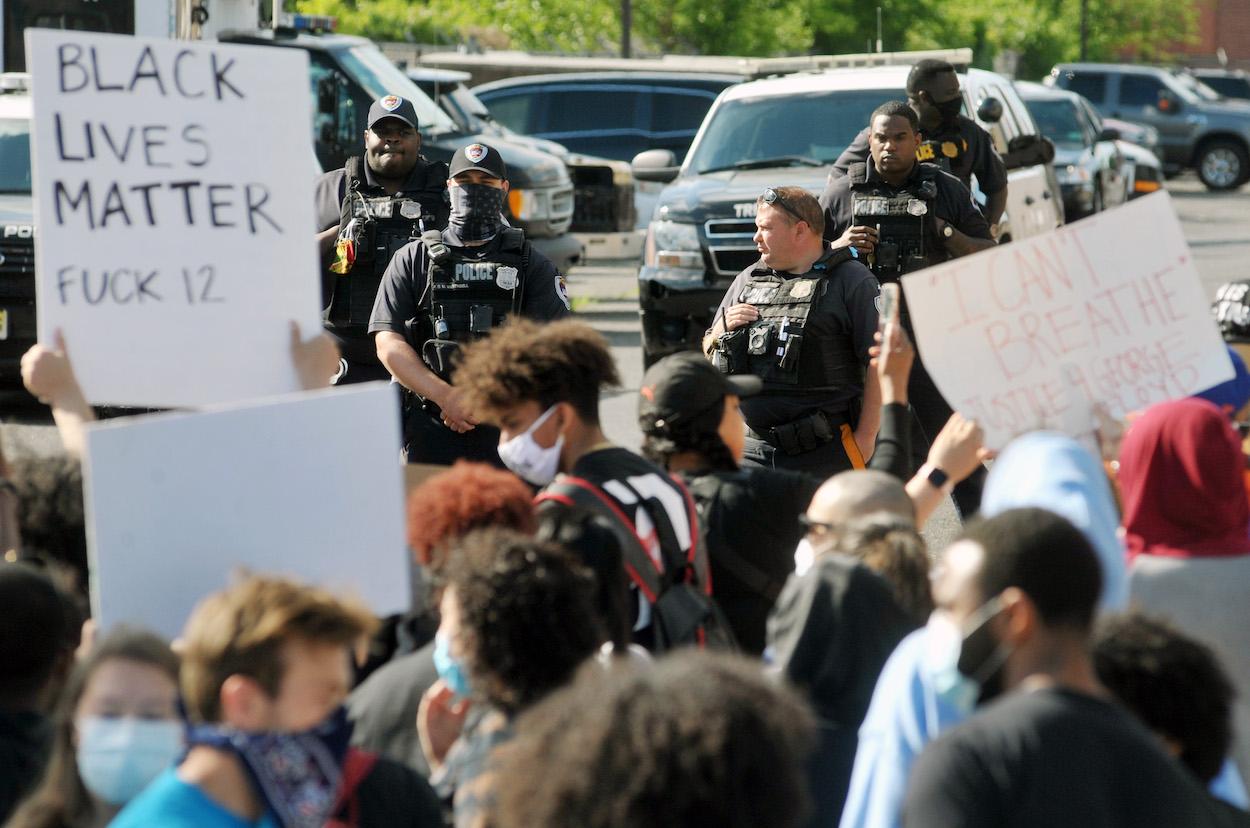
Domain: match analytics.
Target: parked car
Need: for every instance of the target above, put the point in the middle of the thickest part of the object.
(1198, 129)
(1088, 163)
(788, 131)
(17, 241)
(1231, 83)
(603, 188)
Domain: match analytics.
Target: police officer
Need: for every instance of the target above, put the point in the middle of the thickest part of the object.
(802, 320)
(365, 213)
(901, 215)
(450, 288)
(955, 143)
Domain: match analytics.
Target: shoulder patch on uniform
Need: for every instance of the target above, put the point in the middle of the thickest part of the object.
(506, 277)
(562, 290)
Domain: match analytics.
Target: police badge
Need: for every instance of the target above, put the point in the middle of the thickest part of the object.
(410, 209)
(506, 278)
(802, 289)
(916, 207)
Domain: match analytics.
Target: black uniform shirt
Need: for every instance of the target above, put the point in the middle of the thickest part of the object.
(846, 308)
(401, 295)
(975, 156)
(953, 204)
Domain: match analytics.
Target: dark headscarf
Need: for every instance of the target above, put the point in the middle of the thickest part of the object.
(1182, 480)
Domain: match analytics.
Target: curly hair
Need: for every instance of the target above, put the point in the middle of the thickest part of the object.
(1175, 685)
(563, 361)
(466, 496)
(698, 739)
(528, 612)
(890, 546)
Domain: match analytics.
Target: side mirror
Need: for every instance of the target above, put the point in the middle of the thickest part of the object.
(327, 95)
(990, 111)
(655, 165)
(1109, 134)
(1028, 150)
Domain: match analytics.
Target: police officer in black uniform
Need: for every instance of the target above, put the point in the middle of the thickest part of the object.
(954, 142)
(901, 215)
(802, 320)
(365, 213)
(450, 288)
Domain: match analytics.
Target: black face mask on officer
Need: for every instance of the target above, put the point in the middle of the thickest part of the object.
(949, 110)
(475, 211)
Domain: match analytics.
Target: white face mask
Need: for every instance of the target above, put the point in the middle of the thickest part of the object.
(117, 758)
(527, 459)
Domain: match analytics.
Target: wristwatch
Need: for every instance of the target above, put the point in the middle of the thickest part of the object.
(937, 478)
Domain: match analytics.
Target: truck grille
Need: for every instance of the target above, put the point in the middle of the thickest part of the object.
(561, 210)
(730, 228)
(730, 261)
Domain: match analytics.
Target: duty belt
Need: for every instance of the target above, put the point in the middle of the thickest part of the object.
(804, 434)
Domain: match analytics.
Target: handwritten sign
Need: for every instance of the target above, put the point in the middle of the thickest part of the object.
(1031, 334)
(175, 206)
(177, 502)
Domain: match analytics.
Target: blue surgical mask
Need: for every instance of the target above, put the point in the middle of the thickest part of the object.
(296, 774)
(944, 640)
(118, 757)
(530, 461)
(449, 668)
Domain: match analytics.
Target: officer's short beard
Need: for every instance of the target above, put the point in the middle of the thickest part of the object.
(475, 211)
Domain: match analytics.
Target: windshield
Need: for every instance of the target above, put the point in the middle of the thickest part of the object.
(817, 126)
(380, 78)
(14, 155)
(1058, 121)
(1196, 88)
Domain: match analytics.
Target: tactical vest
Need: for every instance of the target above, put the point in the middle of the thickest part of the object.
(779, 347)
(903, 218)
(468, 297)
(383, 224)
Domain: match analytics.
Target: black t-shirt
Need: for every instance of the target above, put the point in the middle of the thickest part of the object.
(25, 741)
(401, 295)
(751, 523)
(394, 796)
(971, 146)
(952, 204)
(846, 308)
(1055, 757)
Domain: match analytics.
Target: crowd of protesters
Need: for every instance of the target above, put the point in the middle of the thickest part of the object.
(604, 639)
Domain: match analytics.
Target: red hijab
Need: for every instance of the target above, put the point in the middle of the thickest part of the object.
(1181, 477)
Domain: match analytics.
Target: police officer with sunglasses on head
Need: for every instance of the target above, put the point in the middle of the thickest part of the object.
(801, 319)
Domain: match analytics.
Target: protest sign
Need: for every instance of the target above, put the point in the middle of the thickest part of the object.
(1032, 334)
(308, 486)
(173, 190)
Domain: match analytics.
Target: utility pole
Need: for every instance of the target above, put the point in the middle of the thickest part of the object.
(627, 23)
(1084, 30)
(879, 49)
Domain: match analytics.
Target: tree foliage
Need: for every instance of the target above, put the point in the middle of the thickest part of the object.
(1040, 32)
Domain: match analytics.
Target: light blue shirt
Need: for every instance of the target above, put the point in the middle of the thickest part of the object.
(172, 803)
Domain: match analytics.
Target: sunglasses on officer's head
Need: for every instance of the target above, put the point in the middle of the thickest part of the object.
(773, 198)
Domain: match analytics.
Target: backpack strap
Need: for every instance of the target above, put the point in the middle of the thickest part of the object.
(706, 491)
(357, 766)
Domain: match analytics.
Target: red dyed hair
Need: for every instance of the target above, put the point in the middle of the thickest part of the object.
(467, 496)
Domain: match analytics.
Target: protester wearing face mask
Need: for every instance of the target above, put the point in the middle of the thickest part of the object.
(452, 288)
(518, 619)
(266, 667)
(117, 730)
(1048, 746)
(541, 385)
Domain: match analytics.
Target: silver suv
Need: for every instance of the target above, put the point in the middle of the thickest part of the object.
(1198, 129)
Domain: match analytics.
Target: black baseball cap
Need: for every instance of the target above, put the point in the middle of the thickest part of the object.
(393, 106)
(478, 157)
(685, 386)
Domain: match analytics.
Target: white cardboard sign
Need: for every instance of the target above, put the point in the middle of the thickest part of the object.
(1031, 334)
(308, 486)
(175, 213)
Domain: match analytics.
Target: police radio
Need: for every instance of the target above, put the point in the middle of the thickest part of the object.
(900, 221)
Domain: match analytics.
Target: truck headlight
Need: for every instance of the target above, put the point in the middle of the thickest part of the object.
(673, 244)
(529, 205)
(1073, 174)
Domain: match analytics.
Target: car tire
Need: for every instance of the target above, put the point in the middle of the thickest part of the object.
(1222, 165)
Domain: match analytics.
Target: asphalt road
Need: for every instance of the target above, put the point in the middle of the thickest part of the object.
(605, 295)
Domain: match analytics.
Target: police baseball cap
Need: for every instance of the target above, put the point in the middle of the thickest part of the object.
(684, 387)
(393, 106)
(478, 157)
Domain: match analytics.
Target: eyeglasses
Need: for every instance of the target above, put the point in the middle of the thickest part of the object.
(773, 198)
(815, 525)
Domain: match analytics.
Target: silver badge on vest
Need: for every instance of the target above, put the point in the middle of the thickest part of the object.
(506, 278)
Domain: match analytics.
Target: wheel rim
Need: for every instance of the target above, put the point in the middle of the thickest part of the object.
(1221, 167)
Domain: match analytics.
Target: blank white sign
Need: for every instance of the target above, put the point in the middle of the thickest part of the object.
(308, 486)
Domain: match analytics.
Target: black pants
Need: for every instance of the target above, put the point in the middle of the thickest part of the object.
(822, 462)
(427, 440)
(931, 413)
